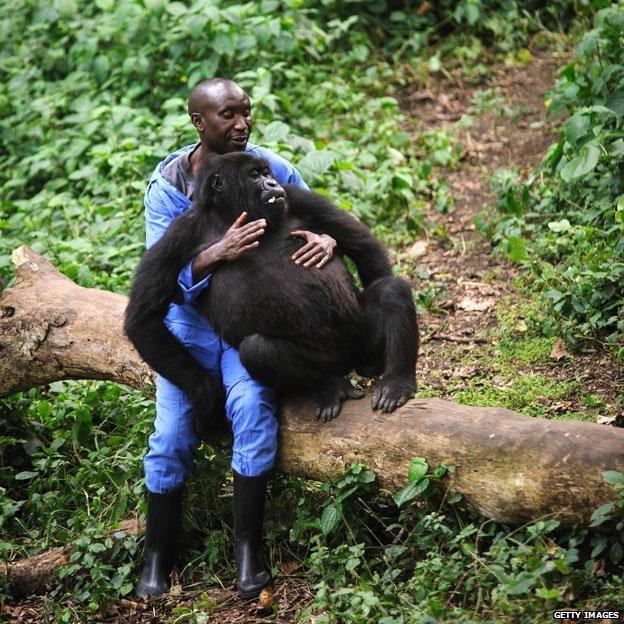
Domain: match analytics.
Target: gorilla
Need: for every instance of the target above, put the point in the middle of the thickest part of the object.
(296, 329)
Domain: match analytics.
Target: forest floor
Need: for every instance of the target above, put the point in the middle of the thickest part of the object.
(478, 346)
(478, 343)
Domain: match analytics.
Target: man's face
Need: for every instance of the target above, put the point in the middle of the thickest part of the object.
(226, 121)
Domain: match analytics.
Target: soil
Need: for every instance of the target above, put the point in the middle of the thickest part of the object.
(224, 606)
(473, 278)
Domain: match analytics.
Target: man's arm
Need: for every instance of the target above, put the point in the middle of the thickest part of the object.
(161, 208)
(239, 238)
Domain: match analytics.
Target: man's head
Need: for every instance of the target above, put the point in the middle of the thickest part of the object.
(221, 112)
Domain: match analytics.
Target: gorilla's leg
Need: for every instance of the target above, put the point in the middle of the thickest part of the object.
(391, 331)
(288, 367)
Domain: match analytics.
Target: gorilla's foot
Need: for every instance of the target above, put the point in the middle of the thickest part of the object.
(330, 396)
(392, 391)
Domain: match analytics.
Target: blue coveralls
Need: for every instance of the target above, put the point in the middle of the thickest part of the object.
(250, 406)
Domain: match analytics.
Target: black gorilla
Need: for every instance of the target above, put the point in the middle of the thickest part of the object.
(296, 329)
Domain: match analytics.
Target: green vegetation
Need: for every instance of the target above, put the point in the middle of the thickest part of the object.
(566, 222)
(92, 96)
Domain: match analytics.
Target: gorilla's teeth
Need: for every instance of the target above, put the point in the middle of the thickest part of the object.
(272, 200)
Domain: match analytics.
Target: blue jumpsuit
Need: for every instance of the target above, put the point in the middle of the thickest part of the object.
(250, 406)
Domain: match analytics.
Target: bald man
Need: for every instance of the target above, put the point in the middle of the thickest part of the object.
(221, 112)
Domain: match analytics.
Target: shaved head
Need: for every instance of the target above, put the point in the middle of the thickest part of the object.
(211, 92)
(221, 112)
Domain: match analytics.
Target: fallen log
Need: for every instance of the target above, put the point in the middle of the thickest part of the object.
(510, 467)
(36, 574)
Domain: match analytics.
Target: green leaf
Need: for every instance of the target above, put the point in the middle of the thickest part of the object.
(318, 161)
(616, 552)
(576, 127)
(548, 594)
(175, 8)
(617, 148)
(559, 226)
(81, 433)
(581, 165)
(330, 518)
(516, 250)
(44, 409)
(613, 477)
(602, 514)
(615, 102)
(367, 476)
(405, 495)
(411, 491)
(27, 474)
(421, 486)
(223, 43)
(440, 471)
(418, 468)
(523, 582)
(276, 131)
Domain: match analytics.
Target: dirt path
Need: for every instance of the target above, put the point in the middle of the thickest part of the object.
(510, 129)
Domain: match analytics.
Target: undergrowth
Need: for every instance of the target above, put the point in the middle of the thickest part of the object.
(565, 223)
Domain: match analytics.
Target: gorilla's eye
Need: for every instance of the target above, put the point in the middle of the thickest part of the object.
(266, 173)
(254, 174)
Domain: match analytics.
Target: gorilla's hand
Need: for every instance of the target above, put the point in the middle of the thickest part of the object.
(392, 391)
(318, 250)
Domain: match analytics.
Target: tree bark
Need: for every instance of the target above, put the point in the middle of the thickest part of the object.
(511, 468)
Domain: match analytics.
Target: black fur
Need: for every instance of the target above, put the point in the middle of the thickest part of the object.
(296, 328)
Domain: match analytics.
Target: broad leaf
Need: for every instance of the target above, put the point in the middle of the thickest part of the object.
(602, 514)
(576, 127)
(418, 468)
(581, 165)
(330, 519)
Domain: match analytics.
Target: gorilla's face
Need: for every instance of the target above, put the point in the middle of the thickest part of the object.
(240, 182)
(272, 195)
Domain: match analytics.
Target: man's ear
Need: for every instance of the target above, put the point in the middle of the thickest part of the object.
(216, 182)
(197, 121)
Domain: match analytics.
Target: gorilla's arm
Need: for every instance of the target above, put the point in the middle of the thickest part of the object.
(354, 239)
(154, 288)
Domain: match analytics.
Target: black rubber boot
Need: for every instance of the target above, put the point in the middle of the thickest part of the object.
(253, 573)
(162, 533)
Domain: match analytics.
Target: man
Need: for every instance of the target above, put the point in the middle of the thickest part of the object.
(220, 111)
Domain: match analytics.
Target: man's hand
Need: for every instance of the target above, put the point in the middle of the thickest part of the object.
(318, 250)
(239, 238)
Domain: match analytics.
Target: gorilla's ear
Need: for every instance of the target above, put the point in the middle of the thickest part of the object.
(217, 182)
